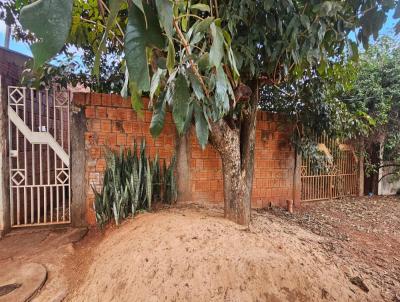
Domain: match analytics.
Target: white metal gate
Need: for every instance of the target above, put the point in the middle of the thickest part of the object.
(39, 149)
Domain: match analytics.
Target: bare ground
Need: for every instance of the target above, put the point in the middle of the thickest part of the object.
(343, 250)
(190, 253)
(362, 232)
(50, 247)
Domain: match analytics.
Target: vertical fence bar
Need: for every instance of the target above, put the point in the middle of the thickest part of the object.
(18, 168)
(62, 163)
(10, 144)
(69, 154)
(33, 156)
(25, 166)
(55, 157)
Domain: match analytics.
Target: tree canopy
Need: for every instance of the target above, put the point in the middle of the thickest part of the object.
(376, 91)
(202, 51)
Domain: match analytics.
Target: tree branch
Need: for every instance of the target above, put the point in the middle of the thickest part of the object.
(116, 22)
(192, 63)
(99, 24)
(388, 165)
(392, 173)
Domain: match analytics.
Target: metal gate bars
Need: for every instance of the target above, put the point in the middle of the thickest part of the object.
(338, 176)
(39, 161)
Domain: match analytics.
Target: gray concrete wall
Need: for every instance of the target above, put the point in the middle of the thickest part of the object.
(389, 185)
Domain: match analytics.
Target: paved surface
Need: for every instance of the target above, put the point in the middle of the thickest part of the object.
(27, 256)
(23, 280)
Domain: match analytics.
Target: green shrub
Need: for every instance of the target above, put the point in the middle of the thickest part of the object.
(132, 181)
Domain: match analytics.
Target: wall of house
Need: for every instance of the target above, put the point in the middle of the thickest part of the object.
(111, 123)
(389, 185)
(11, 66)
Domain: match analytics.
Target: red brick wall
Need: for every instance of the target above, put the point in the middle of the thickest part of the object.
(111, 123)
(273, 168)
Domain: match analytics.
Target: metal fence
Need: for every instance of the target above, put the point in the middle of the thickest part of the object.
(335, 176)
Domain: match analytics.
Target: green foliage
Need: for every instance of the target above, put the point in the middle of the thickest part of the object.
(111, 19)
(376, 94)
(205, 50)
(138, 36)
(180, 96)
(315, 106)
(158, 118)
(201, 125)
(50, 21)
(132, 182)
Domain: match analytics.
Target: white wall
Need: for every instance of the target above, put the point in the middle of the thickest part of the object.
(388, 185)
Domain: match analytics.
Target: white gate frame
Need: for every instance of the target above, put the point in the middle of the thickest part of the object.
(54, 186)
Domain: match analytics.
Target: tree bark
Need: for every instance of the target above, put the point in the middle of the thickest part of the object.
(235, 145)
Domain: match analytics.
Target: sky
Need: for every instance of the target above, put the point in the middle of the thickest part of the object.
(24, 48)
(14, 45)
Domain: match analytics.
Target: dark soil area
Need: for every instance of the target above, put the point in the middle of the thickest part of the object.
(363, 232)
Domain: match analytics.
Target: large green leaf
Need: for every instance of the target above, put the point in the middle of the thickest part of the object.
(112, 17)
(139, 5)
(217, 47)
(203, 25)
(201, 125)
(137, 38)
(50, 21)
(180, 102)
(200, 6)
(158, 118)
(136, 98)
(222, 87)
(196, 86)
(155, 81)
(189, 115)
(170, 56)
(166, 15)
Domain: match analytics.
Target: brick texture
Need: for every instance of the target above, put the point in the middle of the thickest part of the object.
(112, 124)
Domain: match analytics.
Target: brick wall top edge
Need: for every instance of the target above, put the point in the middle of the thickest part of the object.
(115, 100)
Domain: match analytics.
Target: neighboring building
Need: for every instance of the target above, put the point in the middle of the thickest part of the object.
(388, 185)
(11, 66)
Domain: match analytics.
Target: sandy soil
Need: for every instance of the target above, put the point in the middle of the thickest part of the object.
(191, 253)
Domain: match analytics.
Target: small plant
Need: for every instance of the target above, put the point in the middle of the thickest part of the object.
(133, 181)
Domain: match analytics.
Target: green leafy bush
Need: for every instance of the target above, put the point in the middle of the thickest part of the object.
(133, 181)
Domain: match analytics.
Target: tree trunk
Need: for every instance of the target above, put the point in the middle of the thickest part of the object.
(235, 142)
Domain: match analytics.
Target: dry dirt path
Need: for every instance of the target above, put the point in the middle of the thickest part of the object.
(363, 232)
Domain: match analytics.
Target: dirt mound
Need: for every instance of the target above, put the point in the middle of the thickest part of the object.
(193, 254)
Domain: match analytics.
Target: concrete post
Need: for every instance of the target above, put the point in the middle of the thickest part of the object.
(78, 165)
(183, 167)
(361, 175)
(4, 169)
(297, 178)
